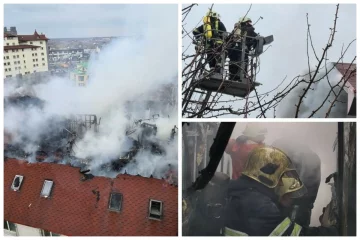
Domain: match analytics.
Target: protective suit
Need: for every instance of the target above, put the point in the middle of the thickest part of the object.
(262, 202)
(212, 31)
(243, 31)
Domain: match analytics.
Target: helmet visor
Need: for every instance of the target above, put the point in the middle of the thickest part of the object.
(291, 185)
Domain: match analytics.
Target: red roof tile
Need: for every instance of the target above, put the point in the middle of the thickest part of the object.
(73, 208)
(34, 37)
(19, 47)
(347, 68)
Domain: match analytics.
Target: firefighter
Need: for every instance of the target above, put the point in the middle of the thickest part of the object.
(253, 136)
(212, 31)
(263, 201)
(308, 165)
(243, 31)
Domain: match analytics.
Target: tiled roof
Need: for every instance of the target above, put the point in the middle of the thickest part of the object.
(347, 68)
(19, 47)
(80, 208)
(34, 37)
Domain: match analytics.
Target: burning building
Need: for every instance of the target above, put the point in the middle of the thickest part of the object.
(50, 182)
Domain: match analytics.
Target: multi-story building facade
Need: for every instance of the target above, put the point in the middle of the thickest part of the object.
(24, 54)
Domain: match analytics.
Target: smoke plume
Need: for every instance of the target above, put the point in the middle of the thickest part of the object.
(128, 70)
(315, 97)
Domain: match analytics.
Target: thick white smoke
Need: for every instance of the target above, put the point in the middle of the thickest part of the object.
(315, 97)
(129, 69)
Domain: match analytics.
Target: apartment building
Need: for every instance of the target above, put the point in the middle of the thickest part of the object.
(24, 54)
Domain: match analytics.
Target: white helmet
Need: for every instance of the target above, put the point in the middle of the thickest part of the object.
(253, 130)
(244, 19)
(211, 13)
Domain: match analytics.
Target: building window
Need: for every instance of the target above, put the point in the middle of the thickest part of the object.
(17, 56)
(42, 48)
(47, 187)
(42, 54)
(49, 234)
(35, 54)
(7, 57)
(15, 68)
(13, 44)
(7, 44)
(15, 62)
(23, 50)
(5, 69)
(41, 42)
(34, 65)
(32, 54)
(23, 55)
(8, 75)
(43, 64)
(4, 64)
(155, 209)
(8, 63)
(13, 50)
(24, 61)
(43, 59)
(9, 226)
(115, 201)
(31, 42)
(9, 69)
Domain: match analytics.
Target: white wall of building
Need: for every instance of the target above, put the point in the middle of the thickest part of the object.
(23, 230)
(26, 231)
(27, 60)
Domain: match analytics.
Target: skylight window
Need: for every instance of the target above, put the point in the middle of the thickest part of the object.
(16, 184)
(155, 209)
(115, 201)
(47, 187)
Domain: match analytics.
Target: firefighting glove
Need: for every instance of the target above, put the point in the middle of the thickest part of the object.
(328, 219)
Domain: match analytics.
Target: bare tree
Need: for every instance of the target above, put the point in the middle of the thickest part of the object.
(197, 103)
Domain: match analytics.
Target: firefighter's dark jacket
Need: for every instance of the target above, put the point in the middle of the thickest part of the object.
(252, 209)
(250, 32)
(199, 31)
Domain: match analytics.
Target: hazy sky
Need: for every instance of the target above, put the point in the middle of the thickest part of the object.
(80, 20)
(287, 23)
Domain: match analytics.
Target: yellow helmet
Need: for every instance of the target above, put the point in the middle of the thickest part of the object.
(272, 168)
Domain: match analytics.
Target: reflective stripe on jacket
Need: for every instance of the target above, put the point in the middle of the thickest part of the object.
(278, 231)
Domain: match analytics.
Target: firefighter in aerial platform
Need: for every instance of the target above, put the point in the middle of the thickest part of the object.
(253, 136)
(243, 31)
(212, 31)
(263, 201)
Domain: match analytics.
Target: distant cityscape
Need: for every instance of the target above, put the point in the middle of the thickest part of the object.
(42, 57)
